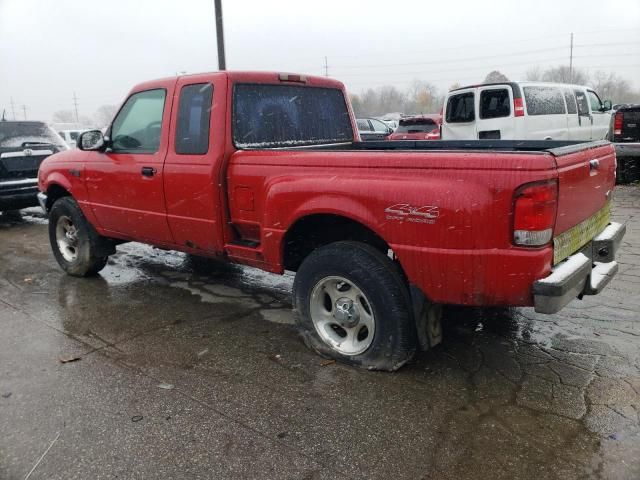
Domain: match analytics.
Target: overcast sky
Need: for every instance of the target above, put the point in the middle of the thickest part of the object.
(101, 48)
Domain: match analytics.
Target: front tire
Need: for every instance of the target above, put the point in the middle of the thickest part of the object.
(353, 305)
(73, 239)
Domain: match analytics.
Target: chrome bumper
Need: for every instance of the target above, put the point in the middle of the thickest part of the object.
(42, 200)
(586, 272)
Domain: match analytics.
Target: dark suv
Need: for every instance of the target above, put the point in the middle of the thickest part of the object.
(625, 134)
(23, 147)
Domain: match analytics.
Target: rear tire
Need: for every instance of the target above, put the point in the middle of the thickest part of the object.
(353, 305)
(628, 170)
(73, 239)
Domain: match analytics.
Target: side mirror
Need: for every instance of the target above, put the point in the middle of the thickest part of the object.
(91, 140)
(606, 106)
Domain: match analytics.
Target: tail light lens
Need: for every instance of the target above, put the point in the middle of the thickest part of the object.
(617, 123)
(534, 213)
(518, 107)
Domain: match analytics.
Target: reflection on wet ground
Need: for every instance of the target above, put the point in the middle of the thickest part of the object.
(192, 370)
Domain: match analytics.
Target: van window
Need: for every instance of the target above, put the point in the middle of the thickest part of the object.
(544, 101)
(194, 114)
(571, 102)
(495, 103)
(460, 108)
(594, 100)
(583, 105)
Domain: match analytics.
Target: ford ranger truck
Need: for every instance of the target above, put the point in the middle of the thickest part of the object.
(267, 170)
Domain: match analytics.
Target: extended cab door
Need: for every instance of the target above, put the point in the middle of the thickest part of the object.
(583, 130)
(193, 168)
(599, 117)
(125, 183)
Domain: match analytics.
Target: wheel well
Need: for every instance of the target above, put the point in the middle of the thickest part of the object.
(314, 231)
(54, 192)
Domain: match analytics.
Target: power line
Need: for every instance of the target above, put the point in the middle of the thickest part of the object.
(24, 111)
(326, 67)
(13, 109)
(75, 105)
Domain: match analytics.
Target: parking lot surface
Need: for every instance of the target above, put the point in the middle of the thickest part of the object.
(161, 368)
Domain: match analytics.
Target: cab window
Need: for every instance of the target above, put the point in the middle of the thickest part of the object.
(192, 129)
(571, 102)
(460, 108)
(136, 128)
(583, 104)
(594, 100)
(363, 125)
(379, 126)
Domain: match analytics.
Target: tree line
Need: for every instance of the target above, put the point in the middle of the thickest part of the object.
(422, 97)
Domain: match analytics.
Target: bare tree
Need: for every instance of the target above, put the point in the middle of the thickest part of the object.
(64, 116)
(104, 115)
(534, 74)
(562, 74)
(495, 77)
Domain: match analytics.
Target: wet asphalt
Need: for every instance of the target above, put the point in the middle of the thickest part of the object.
(184, 370)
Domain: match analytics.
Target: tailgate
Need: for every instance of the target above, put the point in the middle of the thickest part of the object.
(586, 177)
(630, 125)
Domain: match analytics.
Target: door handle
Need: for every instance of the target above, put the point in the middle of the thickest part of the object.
(148, 171)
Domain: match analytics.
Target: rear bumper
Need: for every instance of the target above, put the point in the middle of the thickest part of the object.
(586, 272)
(16, 194)
(627, 149)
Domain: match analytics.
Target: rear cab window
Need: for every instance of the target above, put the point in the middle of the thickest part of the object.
(461, 108)
(416, 125)
(570, 100)
(272, 116)
(495, 103)
(544, 101)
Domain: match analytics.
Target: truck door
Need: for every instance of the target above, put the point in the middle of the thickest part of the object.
(599, 118)
(583, 131)
(495, 113)
(125, 183)
(192, 170)
(459, 122)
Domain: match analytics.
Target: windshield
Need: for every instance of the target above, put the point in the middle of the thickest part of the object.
(20, 134)
(268, 116)
(422, 125)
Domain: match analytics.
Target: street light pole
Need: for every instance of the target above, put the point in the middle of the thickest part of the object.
(222, 64)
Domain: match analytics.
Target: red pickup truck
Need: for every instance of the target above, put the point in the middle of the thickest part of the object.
(267, 170)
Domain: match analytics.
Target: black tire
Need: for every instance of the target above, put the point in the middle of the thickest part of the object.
(85, 262)
(628, 170)
(379, 279)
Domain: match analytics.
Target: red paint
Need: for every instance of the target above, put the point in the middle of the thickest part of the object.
(453, 236)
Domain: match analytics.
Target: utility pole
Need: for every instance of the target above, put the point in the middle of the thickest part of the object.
(326, 67)
(571, 60)
(24, 110)
(13, 109)
(75, 104)
(222, 62)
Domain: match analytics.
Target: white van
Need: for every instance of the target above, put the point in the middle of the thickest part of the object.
(525, 111)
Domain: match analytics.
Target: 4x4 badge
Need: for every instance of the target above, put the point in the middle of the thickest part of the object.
(410, 213)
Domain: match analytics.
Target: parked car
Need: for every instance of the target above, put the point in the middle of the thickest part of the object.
(625, 133)
(373, 129)
(380, 234)
(422, 127)
(525, 111)
(71, 136)
(23, 147)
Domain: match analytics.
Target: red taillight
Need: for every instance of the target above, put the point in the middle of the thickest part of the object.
(534, 213)
(518, 107)
(617, 123)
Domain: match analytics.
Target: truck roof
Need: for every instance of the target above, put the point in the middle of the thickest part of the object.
(256, 77)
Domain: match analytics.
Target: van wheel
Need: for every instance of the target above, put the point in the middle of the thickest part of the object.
(73, 239)
(353, 305)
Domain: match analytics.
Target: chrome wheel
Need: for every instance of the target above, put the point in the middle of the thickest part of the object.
(67, 238)
(342, 315)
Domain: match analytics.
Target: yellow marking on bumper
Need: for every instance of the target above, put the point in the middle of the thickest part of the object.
(577, 237)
